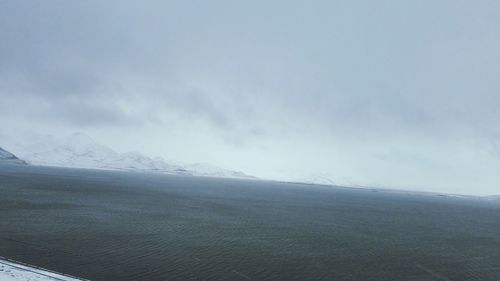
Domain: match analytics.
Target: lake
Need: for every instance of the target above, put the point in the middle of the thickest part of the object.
(112, 225)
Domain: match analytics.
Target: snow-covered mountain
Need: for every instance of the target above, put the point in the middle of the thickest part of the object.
(204, 169)
(7, 157)
(81, 151)
(318, 179)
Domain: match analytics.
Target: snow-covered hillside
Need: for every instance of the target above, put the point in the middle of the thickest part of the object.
(319, 179)
(80, 151)
(7, 157)
(204, 169)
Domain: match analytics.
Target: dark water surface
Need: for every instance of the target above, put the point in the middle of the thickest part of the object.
(105, 225)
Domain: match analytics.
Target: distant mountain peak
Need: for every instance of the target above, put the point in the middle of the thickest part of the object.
(7, 157)
(319, 179)
(81, 151)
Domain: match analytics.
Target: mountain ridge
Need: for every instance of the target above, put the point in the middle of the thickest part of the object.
(6, 156)
(80, 151)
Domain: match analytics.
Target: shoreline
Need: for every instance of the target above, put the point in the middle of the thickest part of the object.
(11, 270)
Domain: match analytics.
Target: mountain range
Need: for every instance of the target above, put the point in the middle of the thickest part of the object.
(80, 151)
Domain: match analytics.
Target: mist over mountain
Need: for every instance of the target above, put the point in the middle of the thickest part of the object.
(399, 94)
(7, 157)
(81, 151)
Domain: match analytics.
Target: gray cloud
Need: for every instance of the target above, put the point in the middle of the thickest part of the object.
(327, 86)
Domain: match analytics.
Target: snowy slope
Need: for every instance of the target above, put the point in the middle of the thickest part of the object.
(81, 151)
(7, 157)
(318, 179)
(13, 271)
(204, 169)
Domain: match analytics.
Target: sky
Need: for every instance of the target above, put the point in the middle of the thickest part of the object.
(393, 94)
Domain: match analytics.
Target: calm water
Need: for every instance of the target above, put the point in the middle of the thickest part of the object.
(105, 225)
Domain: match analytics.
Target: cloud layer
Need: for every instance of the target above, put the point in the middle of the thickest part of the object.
(394, 94)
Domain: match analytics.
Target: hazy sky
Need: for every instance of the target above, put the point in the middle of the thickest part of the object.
(399, 94)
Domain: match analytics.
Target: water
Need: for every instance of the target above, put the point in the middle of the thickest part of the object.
(104, 225)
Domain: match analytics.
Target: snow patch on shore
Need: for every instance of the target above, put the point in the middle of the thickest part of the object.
(11, 271)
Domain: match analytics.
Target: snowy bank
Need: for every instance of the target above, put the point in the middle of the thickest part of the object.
(15, 271)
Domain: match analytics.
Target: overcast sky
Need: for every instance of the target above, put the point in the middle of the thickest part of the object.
(398, 94)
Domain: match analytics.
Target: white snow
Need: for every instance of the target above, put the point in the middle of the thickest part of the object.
(12, 271)
(204, 169)
(81, 151)
(316, 179)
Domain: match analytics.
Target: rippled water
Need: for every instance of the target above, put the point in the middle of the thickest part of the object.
(105, 225)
